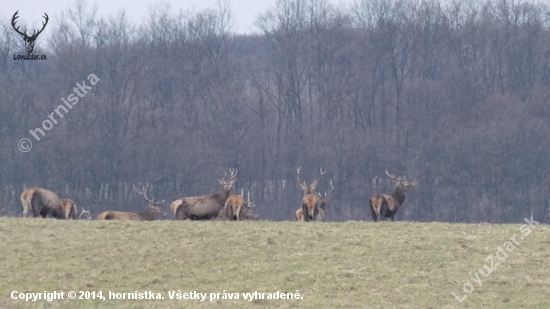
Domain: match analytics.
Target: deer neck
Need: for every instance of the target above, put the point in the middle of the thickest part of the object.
(58, 213)
(223, 195)
(399, 195)
(147, 215)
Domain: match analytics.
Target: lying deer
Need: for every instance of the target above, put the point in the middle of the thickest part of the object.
(71, 211)
(205, 207)
(237, 209)
(150, 213)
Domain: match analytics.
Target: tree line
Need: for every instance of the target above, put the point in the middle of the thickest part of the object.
(451, 94)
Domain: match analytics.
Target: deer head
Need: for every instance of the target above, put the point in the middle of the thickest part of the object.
(29, 40)
(153, 206)
(227, 182)
(387, 205)
(401, 182)
(302, 184)
(326, 196)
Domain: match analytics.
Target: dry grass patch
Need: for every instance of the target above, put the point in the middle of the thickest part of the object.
(333, 265)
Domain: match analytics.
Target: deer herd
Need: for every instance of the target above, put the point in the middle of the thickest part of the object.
(220, 206)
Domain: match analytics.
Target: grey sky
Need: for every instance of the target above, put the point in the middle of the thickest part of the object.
(244, 12)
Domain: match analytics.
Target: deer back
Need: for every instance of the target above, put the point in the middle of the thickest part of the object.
(118, 215)
(150, 214)
(234, 207)
(69, 208)
(310, 207)
(205, 206)
(46, 204)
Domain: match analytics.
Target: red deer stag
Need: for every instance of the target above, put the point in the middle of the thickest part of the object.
(205, 207)
(237, 209)
(150, 213)
(323, 201)
(310, 201)
(71, 211)
(386, 205)
(42, 202)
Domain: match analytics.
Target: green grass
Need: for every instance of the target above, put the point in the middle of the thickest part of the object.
(333, 265)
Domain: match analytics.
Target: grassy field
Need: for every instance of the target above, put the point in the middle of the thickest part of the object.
(332, 265)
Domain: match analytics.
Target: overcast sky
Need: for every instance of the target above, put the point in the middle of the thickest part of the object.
(31, 12)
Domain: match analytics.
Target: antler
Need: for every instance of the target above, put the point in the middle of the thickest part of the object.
(43, 26)
(321, 173)
(34, 33)
(248, 202)
(396, 179)
(143, 193)
(13, 24)
(233, 173)
(331, 189)
(298, 175)
(84, 211)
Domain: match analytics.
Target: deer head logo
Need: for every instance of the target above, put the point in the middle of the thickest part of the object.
(29, 40)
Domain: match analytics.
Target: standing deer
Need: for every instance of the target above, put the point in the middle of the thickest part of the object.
(310, 201)
(42, 202)
(386, 205)
(236, 208)
(150, 213)
(323, 201)
(71, 211)
(205, 207)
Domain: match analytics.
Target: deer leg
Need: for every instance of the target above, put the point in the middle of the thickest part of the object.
(181, 214)
(44, 212)
(383, 213)
(36, 211)
(229, 212)
(375, 217)
(392, 217)
(305, 213)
